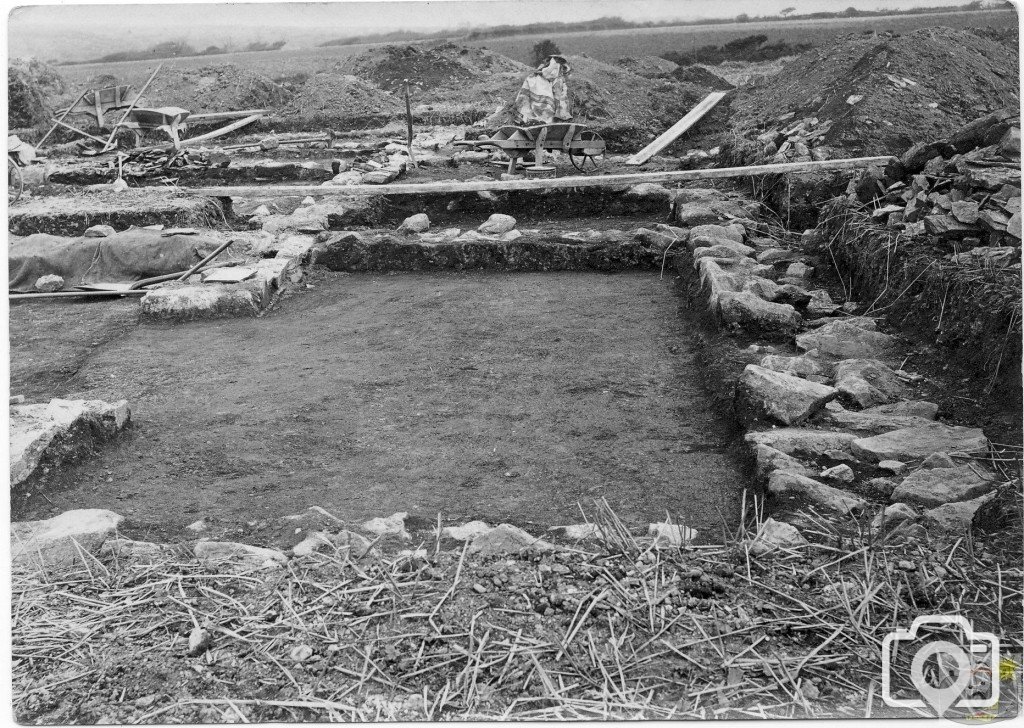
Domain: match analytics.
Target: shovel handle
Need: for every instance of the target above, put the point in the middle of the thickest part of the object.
(205, 260)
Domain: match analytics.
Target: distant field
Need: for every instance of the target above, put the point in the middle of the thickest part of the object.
(604, 45)
(609, 45)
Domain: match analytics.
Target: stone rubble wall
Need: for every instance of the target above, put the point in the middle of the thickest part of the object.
(832, 420)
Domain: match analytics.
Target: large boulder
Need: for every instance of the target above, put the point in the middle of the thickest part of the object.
(846, 339)
(59, 429)
(789, 400)
(953, 519)
(61, 540)
(188, 303)
(787, 485)
(768, 460)
(800, 441)
(773, 536)
(916, 443)
(868, 382)
(755, 314)
(732, 232)
(237, 554)
(418, 223)
(931, 487)
(497, 224)
(505, 539)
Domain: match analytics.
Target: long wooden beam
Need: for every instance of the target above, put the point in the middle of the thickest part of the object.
(226, 114)
(695, 114)
(520, 185)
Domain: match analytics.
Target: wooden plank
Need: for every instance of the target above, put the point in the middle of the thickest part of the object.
(227, 114)
(60, 118)
(695, 115)
(221, 131)
(521, 185)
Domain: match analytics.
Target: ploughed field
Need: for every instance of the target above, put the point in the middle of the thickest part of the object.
(503, 397)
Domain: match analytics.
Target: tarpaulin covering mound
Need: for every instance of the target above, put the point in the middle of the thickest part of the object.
(123, 257)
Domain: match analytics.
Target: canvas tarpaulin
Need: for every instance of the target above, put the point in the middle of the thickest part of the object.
(123, 257)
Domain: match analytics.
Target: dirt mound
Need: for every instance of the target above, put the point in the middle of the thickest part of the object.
(341, 100)
(215, 88)
(701, 76)
(30, 84)
(428, 66)
(882, 94)
(650, 66)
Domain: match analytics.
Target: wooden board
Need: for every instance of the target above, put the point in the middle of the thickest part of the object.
(695, 115)
(521, 185)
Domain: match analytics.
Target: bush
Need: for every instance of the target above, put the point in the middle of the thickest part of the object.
(542, 50)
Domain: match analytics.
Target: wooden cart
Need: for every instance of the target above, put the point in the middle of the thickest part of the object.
(584, 147)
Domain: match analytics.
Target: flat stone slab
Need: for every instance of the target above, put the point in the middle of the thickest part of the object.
(189, 303)
(930, 487)
(882, 418)
(847, 339)
(781, 397)
(916, 443)
(222, 552)
(789, 485)
(60, 541)
(755, 314)
(58, 429)
(797, 440)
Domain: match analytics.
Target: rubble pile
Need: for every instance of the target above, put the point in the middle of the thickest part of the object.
(964, 191)
(876, 95)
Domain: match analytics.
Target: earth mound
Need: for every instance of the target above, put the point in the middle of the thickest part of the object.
(30, 83)
(650, 66)
(334, 98)
(215, 88)
(880, 95)
(700, 76)
(428, 66)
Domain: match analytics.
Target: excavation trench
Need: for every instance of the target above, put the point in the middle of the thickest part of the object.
(479, 395)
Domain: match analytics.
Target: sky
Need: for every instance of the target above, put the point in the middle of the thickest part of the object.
(35, 24)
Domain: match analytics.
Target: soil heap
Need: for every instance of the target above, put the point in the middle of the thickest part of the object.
(650, 66)
(338, 100)
(213, 88)
(879, 95)
(428, 66)
(30, 83)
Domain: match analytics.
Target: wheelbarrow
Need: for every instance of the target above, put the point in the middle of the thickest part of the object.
(168, 119)
(584, 147)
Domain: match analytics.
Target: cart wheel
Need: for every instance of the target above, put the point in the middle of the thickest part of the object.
(588, 159)
(15, 182)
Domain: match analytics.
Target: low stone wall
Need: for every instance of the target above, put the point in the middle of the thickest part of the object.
(834, 424)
